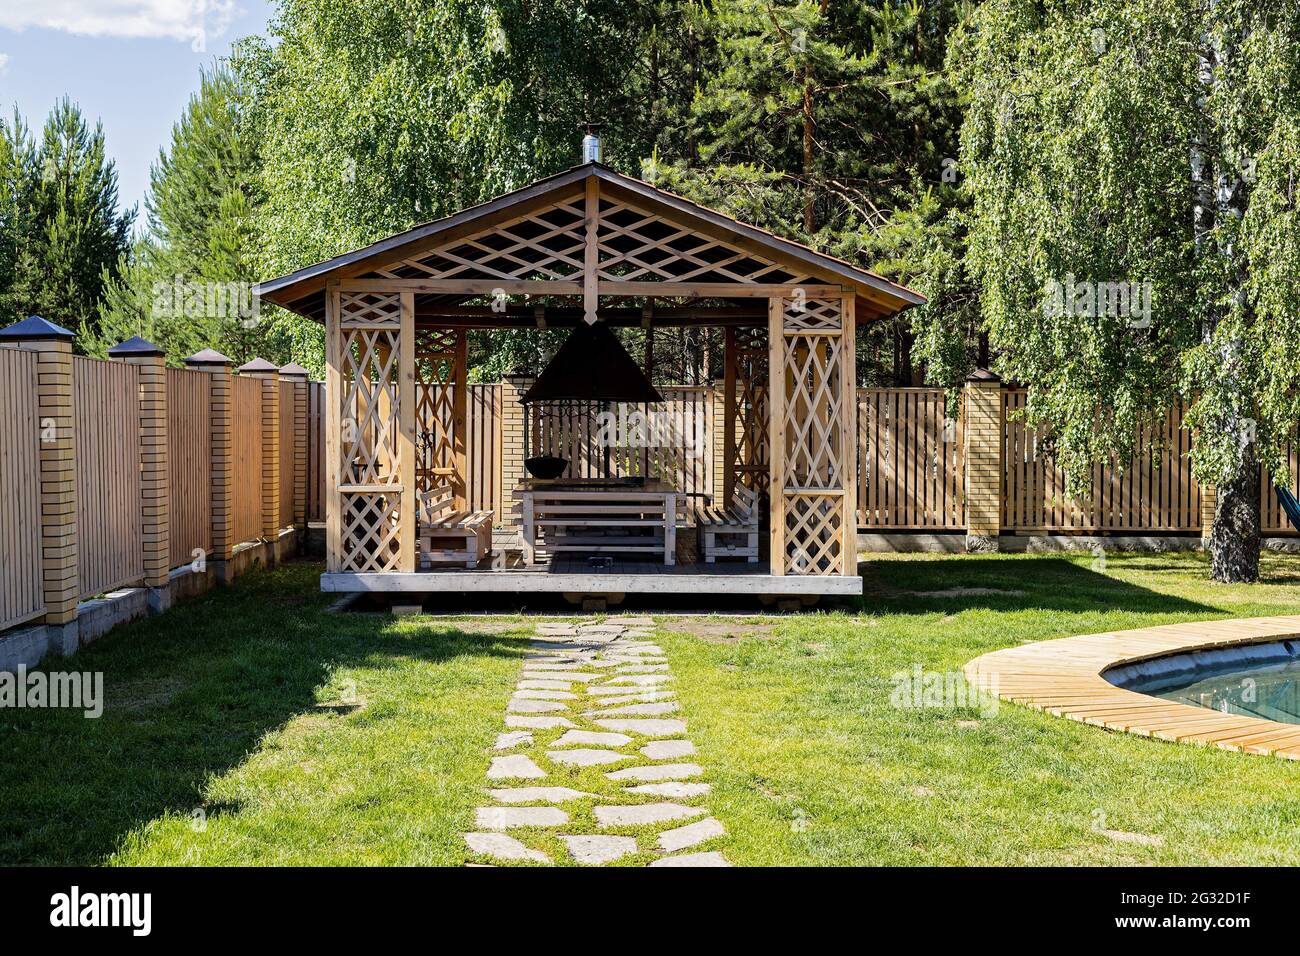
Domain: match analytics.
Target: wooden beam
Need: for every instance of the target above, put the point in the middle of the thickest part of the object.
(776, 425)
(460, 420)
(718, 290)
(465, 286)
(848, 438)
(333, 426)
(407, 446)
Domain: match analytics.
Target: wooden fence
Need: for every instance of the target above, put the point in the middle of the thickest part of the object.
(22, 594)
(109, 545)
(911, 460)
(247, 424)
(189, 465)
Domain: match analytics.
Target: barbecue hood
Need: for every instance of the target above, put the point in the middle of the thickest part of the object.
(592, 366)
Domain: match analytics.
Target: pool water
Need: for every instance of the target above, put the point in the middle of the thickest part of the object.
(1271, 691)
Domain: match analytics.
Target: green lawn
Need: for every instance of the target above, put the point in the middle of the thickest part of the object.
(254, 726)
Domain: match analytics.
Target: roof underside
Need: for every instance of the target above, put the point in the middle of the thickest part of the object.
(645, 236)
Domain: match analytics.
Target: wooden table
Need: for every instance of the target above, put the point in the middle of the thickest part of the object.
(599, 516)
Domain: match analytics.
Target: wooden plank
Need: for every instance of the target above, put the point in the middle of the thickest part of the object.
(407, 438)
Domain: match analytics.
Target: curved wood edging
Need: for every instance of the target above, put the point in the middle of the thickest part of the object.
(1063, 677)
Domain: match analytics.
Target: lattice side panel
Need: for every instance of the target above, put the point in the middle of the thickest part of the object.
(814, 533)
(750, 453)
(814, 403)
(369, 440)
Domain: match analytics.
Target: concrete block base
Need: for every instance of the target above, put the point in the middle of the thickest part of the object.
(982, 543)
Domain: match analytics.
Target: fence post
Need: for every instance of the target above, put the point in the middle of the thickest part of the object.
(298, 376)
(53, 345)
(269, 375)
(1209, 503)
(155, 479)
(221, 414)
(718, 433)
(513, 451)
(984, 430)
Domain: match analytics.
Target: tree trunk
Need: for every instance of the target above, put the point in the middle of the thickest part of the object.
(1234, 540)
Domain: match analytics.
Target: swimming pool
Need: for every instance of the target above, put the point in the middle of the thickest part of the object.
(1257, 680)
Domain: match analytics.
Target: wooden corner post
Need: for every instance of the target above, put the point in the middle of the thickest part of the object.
(269, 376)
(406, 447)
(333, 424)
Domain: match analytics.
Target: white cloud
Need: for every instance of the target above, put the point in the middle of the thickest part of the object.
(192, 20)
(4, 63)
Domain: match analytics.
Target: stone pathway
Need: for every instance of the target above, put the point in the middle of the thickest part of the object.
(593, 766)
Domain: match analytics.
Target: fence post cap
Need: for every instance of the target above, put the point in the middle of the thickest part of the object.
(207, 357)
(258, 365)
(135, 347)
(294, 369)
(33, 328)
(983, 375)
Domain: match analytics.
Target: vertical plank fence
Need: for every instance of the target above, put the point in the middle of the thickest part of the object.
(911, 460)
(110, 553)
(247, 416)
(22, 594)
(189, 464)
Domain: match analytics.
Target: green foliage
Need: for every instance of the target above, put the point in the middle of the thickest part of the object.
(61, 233)
(200, 237)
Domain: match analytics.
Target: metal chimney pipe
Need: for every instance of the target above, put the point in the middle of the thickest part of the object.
(591, 148)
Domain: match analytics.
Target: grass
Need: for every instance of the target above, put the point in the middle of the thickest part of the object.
(254, 726)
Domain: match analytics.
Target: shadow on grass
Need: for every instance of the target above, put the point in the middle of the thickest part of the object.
(952, 584)
(188, 696)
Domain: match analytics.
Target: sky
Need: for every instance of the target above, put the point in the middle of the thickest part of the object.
(131, 63)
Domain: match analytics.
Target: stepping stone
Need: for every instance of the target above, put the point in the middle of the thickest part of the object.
(586, 758)
(555, 628)
(503, 847)
(679, 790)
(590, 738)
(646, 728)
(642, 696)
(693, 859)
(639, 649)
(599, 849)
(556, 675)
(524, 706)
(538, 723)
(504, 818)
(663, 771)
(535, 684)
(631, 621)
(643, 813)
(512, 738)
(614, 629)
(670, 841)
(642, 680)
(668, 749)
(516, 766)
(605, 690)
(530, 694)
(640, 668)
(638, 710)
(537, 794)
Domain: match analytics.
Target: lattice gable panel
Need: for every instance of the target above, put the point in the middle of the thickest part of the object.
(359, 310)
(638, 245)
(545, 244)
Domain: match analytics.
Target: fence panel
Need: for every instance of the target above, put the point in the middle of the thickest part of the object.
(1147, 495)
(288, 446)
(316, 451)
(22, 595)
(911, 460)
(106, 406)
(483, 446)
(247, 421)
(189, 463)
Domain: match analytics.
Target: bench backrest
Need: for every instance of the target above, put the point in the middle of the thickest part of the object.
(435, 503)
(745, 500)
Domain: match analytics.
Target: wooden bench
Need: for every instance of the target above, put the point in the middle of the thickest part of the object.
(730, 532)
(451, 536)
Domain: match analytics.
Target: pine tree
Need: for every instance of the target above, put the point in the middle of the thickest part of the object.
(71, 235)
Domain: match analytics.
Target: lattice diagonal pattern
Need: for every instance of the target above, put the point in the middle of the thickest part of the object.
(370, 404)
(638, 245)
(435, 372)
(749, 454)
(546, 244)
(814, 533)
(814, 402)
(371, 529)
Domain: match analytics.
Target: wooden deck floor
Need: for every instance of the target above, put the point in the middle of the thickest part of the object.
(1063, 677)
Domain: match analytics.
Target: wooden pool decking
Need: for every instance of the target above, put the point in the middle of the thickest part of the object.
(1063, 677)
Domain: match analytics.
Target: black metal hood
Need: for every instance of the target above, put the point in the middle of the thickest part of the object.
(592, 366)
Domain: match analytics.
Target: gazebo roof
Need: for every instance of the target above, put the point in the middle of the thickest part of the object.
(535, 238)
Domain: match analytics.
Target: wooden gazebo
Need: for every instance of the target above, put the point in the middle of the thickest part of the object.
(589, 245)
